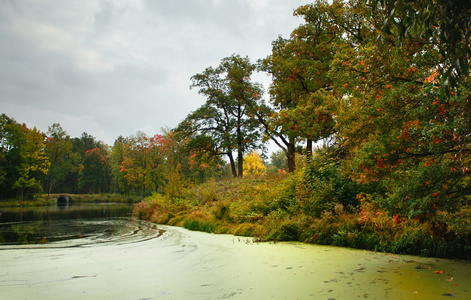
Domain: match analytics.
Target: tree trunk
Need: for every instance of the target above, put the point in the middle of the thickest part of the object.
(50, 183)
(49, 191)
(240, 152)
(22, 194)
(233, 168)
(290, 155)
(240, 162)
(309, 150)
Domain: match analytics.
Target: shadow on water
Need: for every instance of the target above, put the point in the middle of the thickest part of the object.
(71, 225)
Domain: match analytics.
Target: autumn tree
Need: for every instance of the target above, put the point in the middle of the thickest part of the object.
(177, 164)
(301, 98)
(23, 162)
(205, 160)
(142, 162)
(396, 125)
(11, 139)
(70, 180)
(93, 175)
(253, 164)
(224, 116)
(446, 24)
(59, 152)
(155, 160)
(208, 130)
(34, 163)
(119, 183)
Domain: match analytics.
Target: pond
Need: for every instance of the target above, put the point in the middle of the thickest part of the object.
(70, 225)
(174, 263)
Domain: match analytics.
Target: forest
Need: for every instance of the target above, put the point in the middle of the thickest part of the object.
(369, 105)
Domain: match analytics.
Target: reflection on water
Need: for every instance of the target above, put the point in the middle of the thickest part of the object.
(71, 225)
(29, 232)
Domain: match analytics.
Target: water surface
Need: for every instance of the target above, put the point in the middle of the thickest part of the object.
(70, 226)
(180, 264)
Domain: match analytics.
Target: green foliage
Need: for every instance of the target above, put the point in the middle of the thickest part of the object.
(199, 225)
(289, 231)
(325, 177)
(174, 188)
(248, 229)
(436, 23)
(62, 160)
(222, 212)
(287, 200)
(244, 207)
(278, 161)
(119, 181)
(319, 187)
(93, 173)
(138, 163)
(23, 161)
(224, 118)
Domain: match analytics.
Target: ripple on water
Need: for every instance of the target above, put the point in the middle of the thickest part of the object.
(78, 233)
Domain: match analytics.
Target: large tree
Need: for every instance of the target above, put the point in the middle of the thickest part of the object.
(224, 116)
(11, 137)
(119, 183)
(139, 162)
(94, 175)
(94, 170)
(396, 125)
(23, 162)
(34, 164)
(60, 155)
(445, 23)
(302, 103)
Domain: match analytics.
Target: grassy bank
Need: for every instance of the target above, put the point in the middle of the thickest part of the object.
(41, 199)
(271, 208)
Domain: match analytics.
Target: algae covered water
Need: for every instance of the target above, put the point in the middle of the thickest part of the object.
(181, 264)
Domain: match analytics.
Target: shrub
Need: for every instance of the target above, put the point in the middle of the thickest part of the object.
(222, 211)
(312, 209)
(199, 225)
(144, 209)
(287, 197)
(248, 229)
(289, 231)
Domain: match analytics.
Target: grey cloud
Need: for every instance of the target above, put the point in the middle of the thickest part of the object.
(103, 17)
(111, 68)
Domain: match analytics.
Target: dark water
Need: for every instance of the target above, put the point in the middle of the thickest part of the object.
(69, 226)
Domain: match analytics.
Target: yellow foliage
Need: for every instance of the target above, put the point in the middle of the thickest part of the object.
(253, 164)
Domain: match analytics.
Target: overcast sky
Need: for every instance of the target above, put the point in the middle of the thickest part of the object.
(115, 67)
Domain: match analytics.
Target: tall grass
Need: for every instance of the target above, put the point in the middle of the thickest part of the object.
(291, 208)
